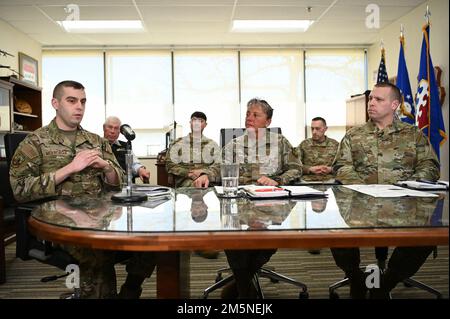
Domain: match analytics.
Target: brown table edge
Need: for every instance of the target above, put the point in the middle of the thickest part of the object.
(183, 241)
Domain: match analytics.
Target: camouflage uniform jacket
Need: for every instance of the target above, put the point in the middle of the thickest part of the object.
(43, 152)
(368, 155)
(275, 159)
(314, 153)
(188, 153)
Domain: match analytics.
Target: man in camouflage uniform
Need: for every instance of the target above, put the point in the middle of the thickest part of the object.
(193, 155)
(317, 153)
(264, 158)
(383, 151)
(64, 159)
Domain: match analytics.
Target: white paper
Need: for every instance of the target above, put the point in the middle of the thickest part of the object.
(379, 190)
(219, 190)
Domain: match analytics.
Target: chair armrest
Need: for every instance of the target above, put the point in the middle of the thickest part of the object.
(24, 239)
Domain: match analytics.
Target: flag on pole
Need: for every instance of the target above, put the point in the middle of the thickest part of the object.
(429, 113)
(382, 73)
(406, 111)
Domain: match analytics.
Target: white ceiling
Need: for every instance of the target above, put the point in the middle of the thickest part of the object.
(203, 22)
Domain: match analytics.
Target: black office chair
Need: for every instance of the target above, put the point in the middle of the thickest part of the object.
(227, 134)
(9, 204)
(28, 246)
(7, 219)
(264, 272)
(381, 254)
(7, 235)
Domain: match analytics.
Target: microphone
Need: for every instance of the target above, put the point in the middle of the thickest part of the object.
(126, 131)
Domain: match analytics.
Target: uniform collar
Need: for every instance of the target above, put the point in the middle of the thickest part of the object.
(58, 138)
(325, 141)
(395, 126)
(191, 136)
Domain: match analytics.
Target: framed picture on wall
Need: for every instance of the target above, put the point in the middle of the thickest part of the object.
(28, 68)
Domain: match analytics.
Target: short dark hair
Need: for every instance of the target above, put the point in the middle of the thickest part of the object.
(264, 105)
(318, 118)
(58, 90)
(199, 115)
(395, 91)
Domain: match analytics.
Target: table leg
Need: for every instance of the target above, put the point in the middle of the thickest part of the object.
(172, 277)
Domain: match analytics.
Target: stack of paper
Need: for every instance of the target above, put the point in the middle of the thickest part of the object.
(152, 191)
(382, 190)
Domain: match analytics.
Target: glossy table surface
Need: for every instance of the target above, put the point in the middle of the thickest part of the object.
(194, 219)
(200, 210)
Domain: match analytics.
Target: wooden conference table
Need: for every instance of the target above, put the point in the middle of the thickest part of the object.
(194, 219)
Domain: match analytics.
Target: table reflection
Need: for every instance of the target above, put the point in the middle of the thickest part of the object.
(79, 212)
(360, 210)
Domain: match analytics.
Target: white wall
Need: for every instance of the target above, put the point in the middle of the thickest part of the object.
(439, 48)
(13, 42)
(150, 164)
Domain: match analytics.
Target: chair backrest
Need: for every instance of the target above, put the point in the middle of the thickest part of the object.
(12, 141)
(28, 246)
(227, 134)
(5, 186)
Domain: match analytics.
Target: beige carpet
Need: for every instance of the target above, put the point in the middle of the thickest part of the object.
(317, 271)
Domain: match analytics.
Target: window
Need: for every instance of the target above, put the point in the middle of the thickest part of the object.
(207, 81)
(332, 76)
(84, 67)
(139, 92)
(140, 89)
(275, 76)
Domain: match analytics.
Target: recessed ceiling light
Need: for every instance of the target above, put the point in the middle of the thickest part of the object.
(102, 26)
(271, 25)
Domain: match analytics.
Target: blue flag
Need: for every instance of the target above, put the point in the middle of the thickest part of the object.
(429, 113)
(406, 111)
(382, 76)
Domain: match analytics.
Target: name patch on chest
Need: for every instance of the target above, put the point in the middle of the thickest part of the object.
(57, 152)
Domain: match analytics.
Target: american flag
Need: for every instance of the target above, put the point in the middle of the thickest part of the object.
(382, 73)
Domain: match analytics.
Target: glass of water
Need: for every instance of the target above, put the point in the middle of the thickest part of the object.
(230, 179)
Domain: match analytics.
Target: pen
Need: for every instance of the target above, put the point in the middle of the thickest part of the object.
(269, 189)
(426, 181)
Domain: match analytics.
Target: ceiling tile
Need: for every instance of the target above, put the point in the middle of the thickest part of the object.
(301, 3)
(95, 13)
(184, 3)
(32, 27)
(274, 13)
(203, 22)
(16, 13)
(186, 13)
